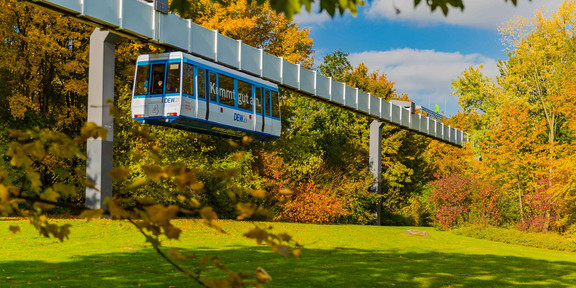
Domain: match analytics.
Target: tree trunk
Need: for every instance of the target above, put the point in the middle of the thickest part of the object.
(520, 202)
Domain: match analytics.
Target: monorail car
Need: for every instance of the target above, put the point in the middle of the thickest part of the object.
(186, 92)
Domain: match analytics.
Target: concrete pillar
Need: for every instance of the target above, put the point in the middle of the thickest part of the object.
(100, 97)
(375, 162)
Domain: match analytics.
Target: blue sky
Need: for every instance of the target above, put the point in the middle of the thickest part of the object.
(421, 52)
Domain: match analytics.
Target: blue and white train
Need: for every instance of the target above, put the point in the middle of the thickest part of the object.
(186, 92)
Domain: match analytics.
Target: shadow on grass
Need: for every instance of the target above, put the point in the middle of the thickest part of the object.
(315, 268)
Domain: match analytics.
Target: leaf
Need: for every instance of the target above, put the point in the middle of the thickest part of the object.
(245, 210)
(247, 140)
(50, 195)
(90, 214)
(210, 218)
(160, 214)
(4, 195)
(119, 173)
(174, 253)
(92, 130)
(285, 191)
(137, 183)
(258, 193)
(296, 253)
(155, 173)
(258, 234)
(65, 190)
(262, 276)
(14, 229)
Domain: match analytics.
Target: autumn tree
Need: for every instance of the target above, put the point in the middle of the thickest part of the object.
(520, 124)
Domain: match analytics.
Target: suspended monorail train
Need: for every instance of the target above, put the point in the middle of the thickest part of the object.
(185, 92)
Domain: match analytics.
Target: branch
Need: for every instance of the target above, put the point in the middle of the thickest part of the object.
(178, 267)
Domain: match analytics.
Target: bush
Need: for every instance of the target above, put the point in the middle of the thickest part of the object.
(460, 198)
(547, 240)
(324, 196)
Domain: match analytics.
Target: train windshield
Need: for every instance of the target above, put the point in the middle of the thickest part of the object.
(142, 76)
(173, 78)
(157, 79)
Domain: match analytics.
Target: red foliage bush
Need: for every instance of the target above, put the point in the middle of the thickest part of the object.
(539, 211)
(309, 203)
(324, 197)
(458, 198)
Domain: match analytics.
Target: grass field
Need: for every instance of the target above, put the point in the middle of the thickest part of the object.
(111, 254)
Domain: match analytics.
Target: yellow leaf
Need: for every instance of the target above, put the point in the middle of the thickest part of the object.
(296, 252)
(262, 276)
(172, 232)
(14, 229)
(258, 234)
(259, 193)
(137, 183)
(245, 210)
(119, 173)
(4, 195)
(211, 218)
(50, 195)
(197, 186)
(208, 214)
(237, 156)
(285, 191)
(63, 189)
(232, 143)
(91, 214)
(162, 215)
(155, 173)
(174, 253)
(247, 140)
(92, 130)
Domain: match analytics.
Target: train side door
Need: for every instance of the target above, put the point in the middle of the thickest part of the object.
(260, 121)
(267, 113)
(188, 106)
(202, 104)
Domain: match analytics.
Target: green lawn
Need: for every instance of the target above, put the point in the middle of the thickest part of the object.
(111, 254)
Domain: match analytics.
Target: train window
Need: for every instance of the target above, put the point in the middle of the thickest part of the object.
(188, 80)
(226, 90)
(267, 103)
(142, 80)
(275, 105)
(245, 96)
(258, 100)
(173, 78)
(201, 84)
(158, 78)
(213, 88)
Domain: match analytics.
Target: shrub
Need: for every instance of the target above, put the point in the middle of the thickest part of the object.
(324, 196)
(547, 240)
(458, 198)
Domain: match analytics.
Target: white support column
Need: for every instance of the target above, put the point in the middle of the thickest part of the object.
(100, 97)
(375, 162)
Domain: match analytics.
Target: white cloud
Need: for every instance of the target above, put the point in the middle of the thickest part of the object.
(488, 14)
(307, 19)
(425, 75)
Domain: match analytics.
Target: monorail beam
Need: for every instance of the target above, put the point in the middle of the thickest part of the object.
(375, 162)
(100, 97)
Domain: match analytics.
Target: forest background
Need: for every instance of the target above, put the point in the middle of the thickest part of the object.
(516, 172)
